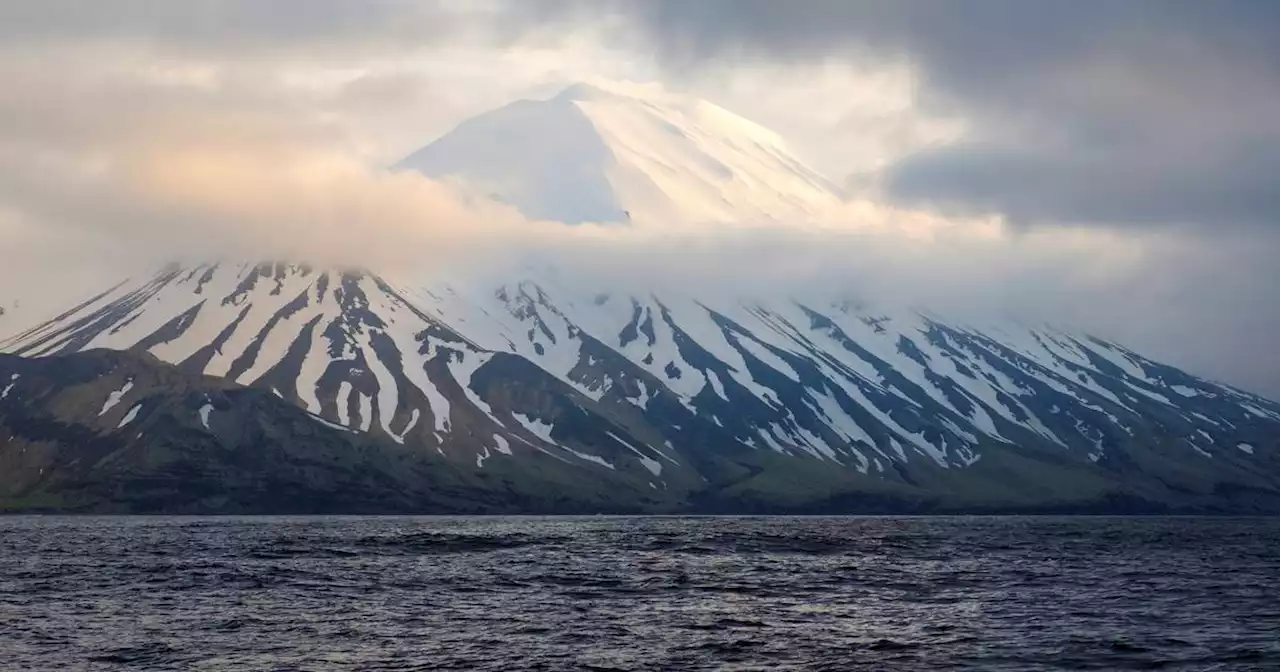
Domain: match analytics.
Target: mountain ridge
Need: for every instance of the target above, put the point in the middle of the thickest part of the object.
(692, 400)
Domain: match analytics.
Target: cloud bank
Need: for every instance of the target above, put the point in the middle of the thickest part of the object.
(1110, 169)
(1142, 112)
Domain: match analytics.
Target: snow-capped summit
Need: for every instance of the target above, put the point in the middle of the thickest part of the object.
(610, 152)
(536, 382)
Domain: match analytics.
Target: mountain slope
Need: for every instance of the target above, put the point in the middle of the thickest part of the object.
(106, 431)
(612, 152)
(116, 431)
(674, 402)
(348, 347)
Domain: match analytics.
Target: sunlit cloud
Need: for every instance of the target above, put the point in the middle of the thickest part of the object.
(268, 133)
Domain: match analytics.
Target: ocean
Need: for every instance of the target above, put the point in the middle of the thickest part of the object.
(643, 593)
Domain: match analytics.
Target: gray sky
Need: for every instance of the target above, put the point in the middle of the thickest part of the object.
(1130, 148)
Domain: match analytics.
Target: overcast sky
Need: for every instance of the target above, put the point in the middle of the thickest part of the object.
(1129, 150)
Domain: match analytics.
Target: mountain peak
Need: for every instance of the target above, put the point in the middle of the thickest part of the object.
(580, 91)
(652, 93)
(610, 151)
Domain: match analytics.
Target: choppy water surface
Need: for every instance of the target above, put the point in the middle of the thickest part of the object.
(639, 593)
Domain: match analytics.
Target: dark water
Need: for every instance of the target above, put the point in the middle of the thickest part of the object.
(639, 594)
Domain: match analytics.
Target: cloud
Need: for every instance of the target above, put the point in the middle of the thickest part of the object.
(137, 163)
(219, 26)
(1039, 186)
(136, 137)
(1158, 119)
(140, 159)
(1143, 112)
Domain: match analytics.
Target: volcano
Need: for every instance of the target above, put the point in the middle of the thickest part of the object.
(542, 394)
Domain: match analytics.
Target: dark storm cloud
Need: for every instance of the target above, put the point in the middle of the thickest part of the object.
(1033, 185)
(1133, 112)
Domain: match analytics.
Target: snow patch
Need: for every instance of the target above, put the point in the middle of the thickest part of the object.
(536, 427)
(413, 422)
(115, 397)
(768, 358)
(1254, 410)
(326, 423)
(596, 459)
(654, 466)
(366, 412)
(716, 385)
(130, 416)
(643, 400)
(8, 388)
(314, 366)
(344, 404)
